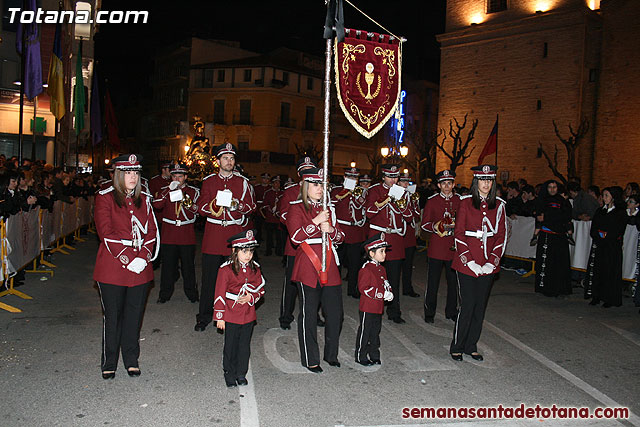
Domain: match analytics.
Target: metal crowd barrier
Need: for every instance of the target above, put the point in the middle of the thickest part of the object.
(25, 237)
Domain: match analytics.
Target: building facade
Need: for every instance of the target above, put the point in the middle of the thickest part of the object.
(532, 62)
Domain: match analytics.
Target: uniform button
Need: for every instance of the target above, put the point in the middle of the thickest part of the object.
(130, 211)
(484, 213)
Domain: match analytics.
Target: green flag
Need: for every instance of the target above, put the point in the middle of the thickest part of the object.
(79, 92)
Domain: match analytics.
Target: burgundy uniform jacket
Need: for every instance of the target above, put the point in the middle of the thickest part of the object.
(222, 222)
(177, 220)
(350, 214)
(229, 287)
(156, 184)
(125, 233)
(480, 235)
(434, 211)
(372, 281)
(289, 194)
(269, 205)
(302, 229)
(388, 219)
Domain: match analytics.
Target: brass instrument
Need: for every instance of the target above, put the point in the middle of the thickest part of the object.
(234, 205)
(401, 203)
(186, 201)
(415, 197)
(357, 192)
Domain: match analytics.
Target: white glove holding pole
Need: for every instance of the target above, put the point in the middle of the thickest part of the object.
(488, 268)
(475, 268)
(388, 295)
(137, 265)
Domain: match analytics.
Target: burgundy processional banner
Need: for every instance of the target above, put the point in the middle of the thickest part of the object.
(368, 68)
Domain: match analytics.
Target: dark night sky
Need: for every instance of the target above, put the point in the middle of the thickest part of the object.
(124, 51)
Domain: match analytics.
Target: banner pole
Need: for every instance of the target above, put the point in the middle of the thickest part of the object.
(325, 155)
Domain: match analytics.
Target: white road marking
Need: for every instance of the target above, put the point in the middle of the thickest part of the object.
(248, 404)
(582, 385)
(270, 340)
(634, 338)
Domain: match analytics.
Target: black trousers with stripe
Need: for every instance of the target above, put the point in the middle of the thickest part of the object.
(123, 308)
(172, 255)
(474, 293)
(394, 269)
(210, 266)
(237, 350)
(368, 337)
(433, 283)
(351, 257)
(310, 299)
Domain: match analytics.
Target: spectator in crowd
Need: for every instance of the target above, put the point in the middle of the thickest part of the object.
(44, 191)
(27, 196)
(513, 199)
(631, 188)
(604, 272)
(522, 183)
(632, 206)
(594, 191)
(9, 199)
(60, 191)
(584, 204)
(524, 204)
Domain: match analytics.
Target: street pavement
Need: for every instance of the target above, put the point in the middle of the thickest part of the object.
(537, 350)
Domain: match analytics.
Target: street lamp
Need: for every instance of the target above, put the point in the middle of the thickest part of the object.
(404, 150)
(353, 164)
(384, 151)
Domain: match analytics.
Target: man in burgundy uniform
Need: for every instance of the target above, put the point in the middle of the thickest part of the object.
(351, 217)
(178, 235)
(222, 223)
(413, 204)
(268, 211)
(290, 289)
(385, 215)
(438, 219)
(259, 191)
(158, 182)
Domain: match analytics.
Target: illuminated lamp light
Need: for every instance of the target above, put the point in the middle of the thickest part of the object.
(353, 164)
(384, 151)
(106, 161)
(186, 148)
(477, 19)
(405, 171)
(404, 151)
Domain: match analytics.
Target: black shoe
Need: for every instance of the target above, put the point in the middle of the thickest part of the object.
(452, 318)
(285, 327)
(133, 372)
(230, 383)
(533, 241)
(242, 381)
(200, 327)
(108, 375)
(457, 357)
(428, 319)
(354, 296)
(398, 320)
(161, 300)
(320, 322)
(476, 356)
(333, 363)
(411, 294)
(315, 369)
(193, 300)
(365, 362)
(376, 361)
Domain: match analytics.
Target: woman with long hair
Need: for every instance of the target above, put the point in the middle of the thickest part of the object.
(306, 221)
(480, 236)
(607, 230)
(128, 233)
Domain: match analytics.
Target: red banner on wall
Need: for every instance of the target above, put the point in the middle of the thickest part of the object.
(368, 69)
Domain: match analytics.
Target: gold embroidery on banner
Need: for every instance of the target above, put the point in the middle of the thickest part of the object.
(369, 119)
(388, 58)
(369, 80)
(348, 51)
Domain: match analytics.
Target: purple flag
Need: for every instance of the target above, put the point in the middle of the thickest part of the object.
(30, 54)
(95, 118)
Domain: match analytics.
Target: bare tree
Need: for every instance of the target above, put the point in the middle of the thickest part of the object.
(571, 144)
(422, 153)
(460, 144)
(309, 150)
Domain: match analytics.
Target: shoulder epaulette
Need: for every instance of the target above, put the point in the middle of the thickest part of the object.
(209, 176)
(236, 173)
(502, 200)
(106, 190)
(433, 195)
(148, 194)
(295, 202)
(465, 197)
(290, 185)
(224, 264)
(374, 185)
(257, 265)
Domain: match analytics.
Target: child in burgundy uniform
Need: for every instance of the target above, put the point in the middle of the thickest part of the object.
(374, 291)
(239, 286)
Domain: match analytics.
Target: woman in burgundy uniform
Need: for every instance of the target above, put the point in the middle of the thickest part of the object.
(480, 236)
(239, 286)
(128, 233)
(306, 221)
(374, 291)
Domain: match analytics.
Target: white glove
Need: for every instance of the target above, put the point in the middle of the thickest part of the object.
(137, 265)
(173, 185)
(475, 268)
(488, 268)
(388, 296)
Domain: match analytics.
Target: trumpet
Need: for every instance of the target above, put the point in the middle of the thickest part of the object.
(401, 203)
(415, 197)
(186, 201)
(234, 205)
(357, 192)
